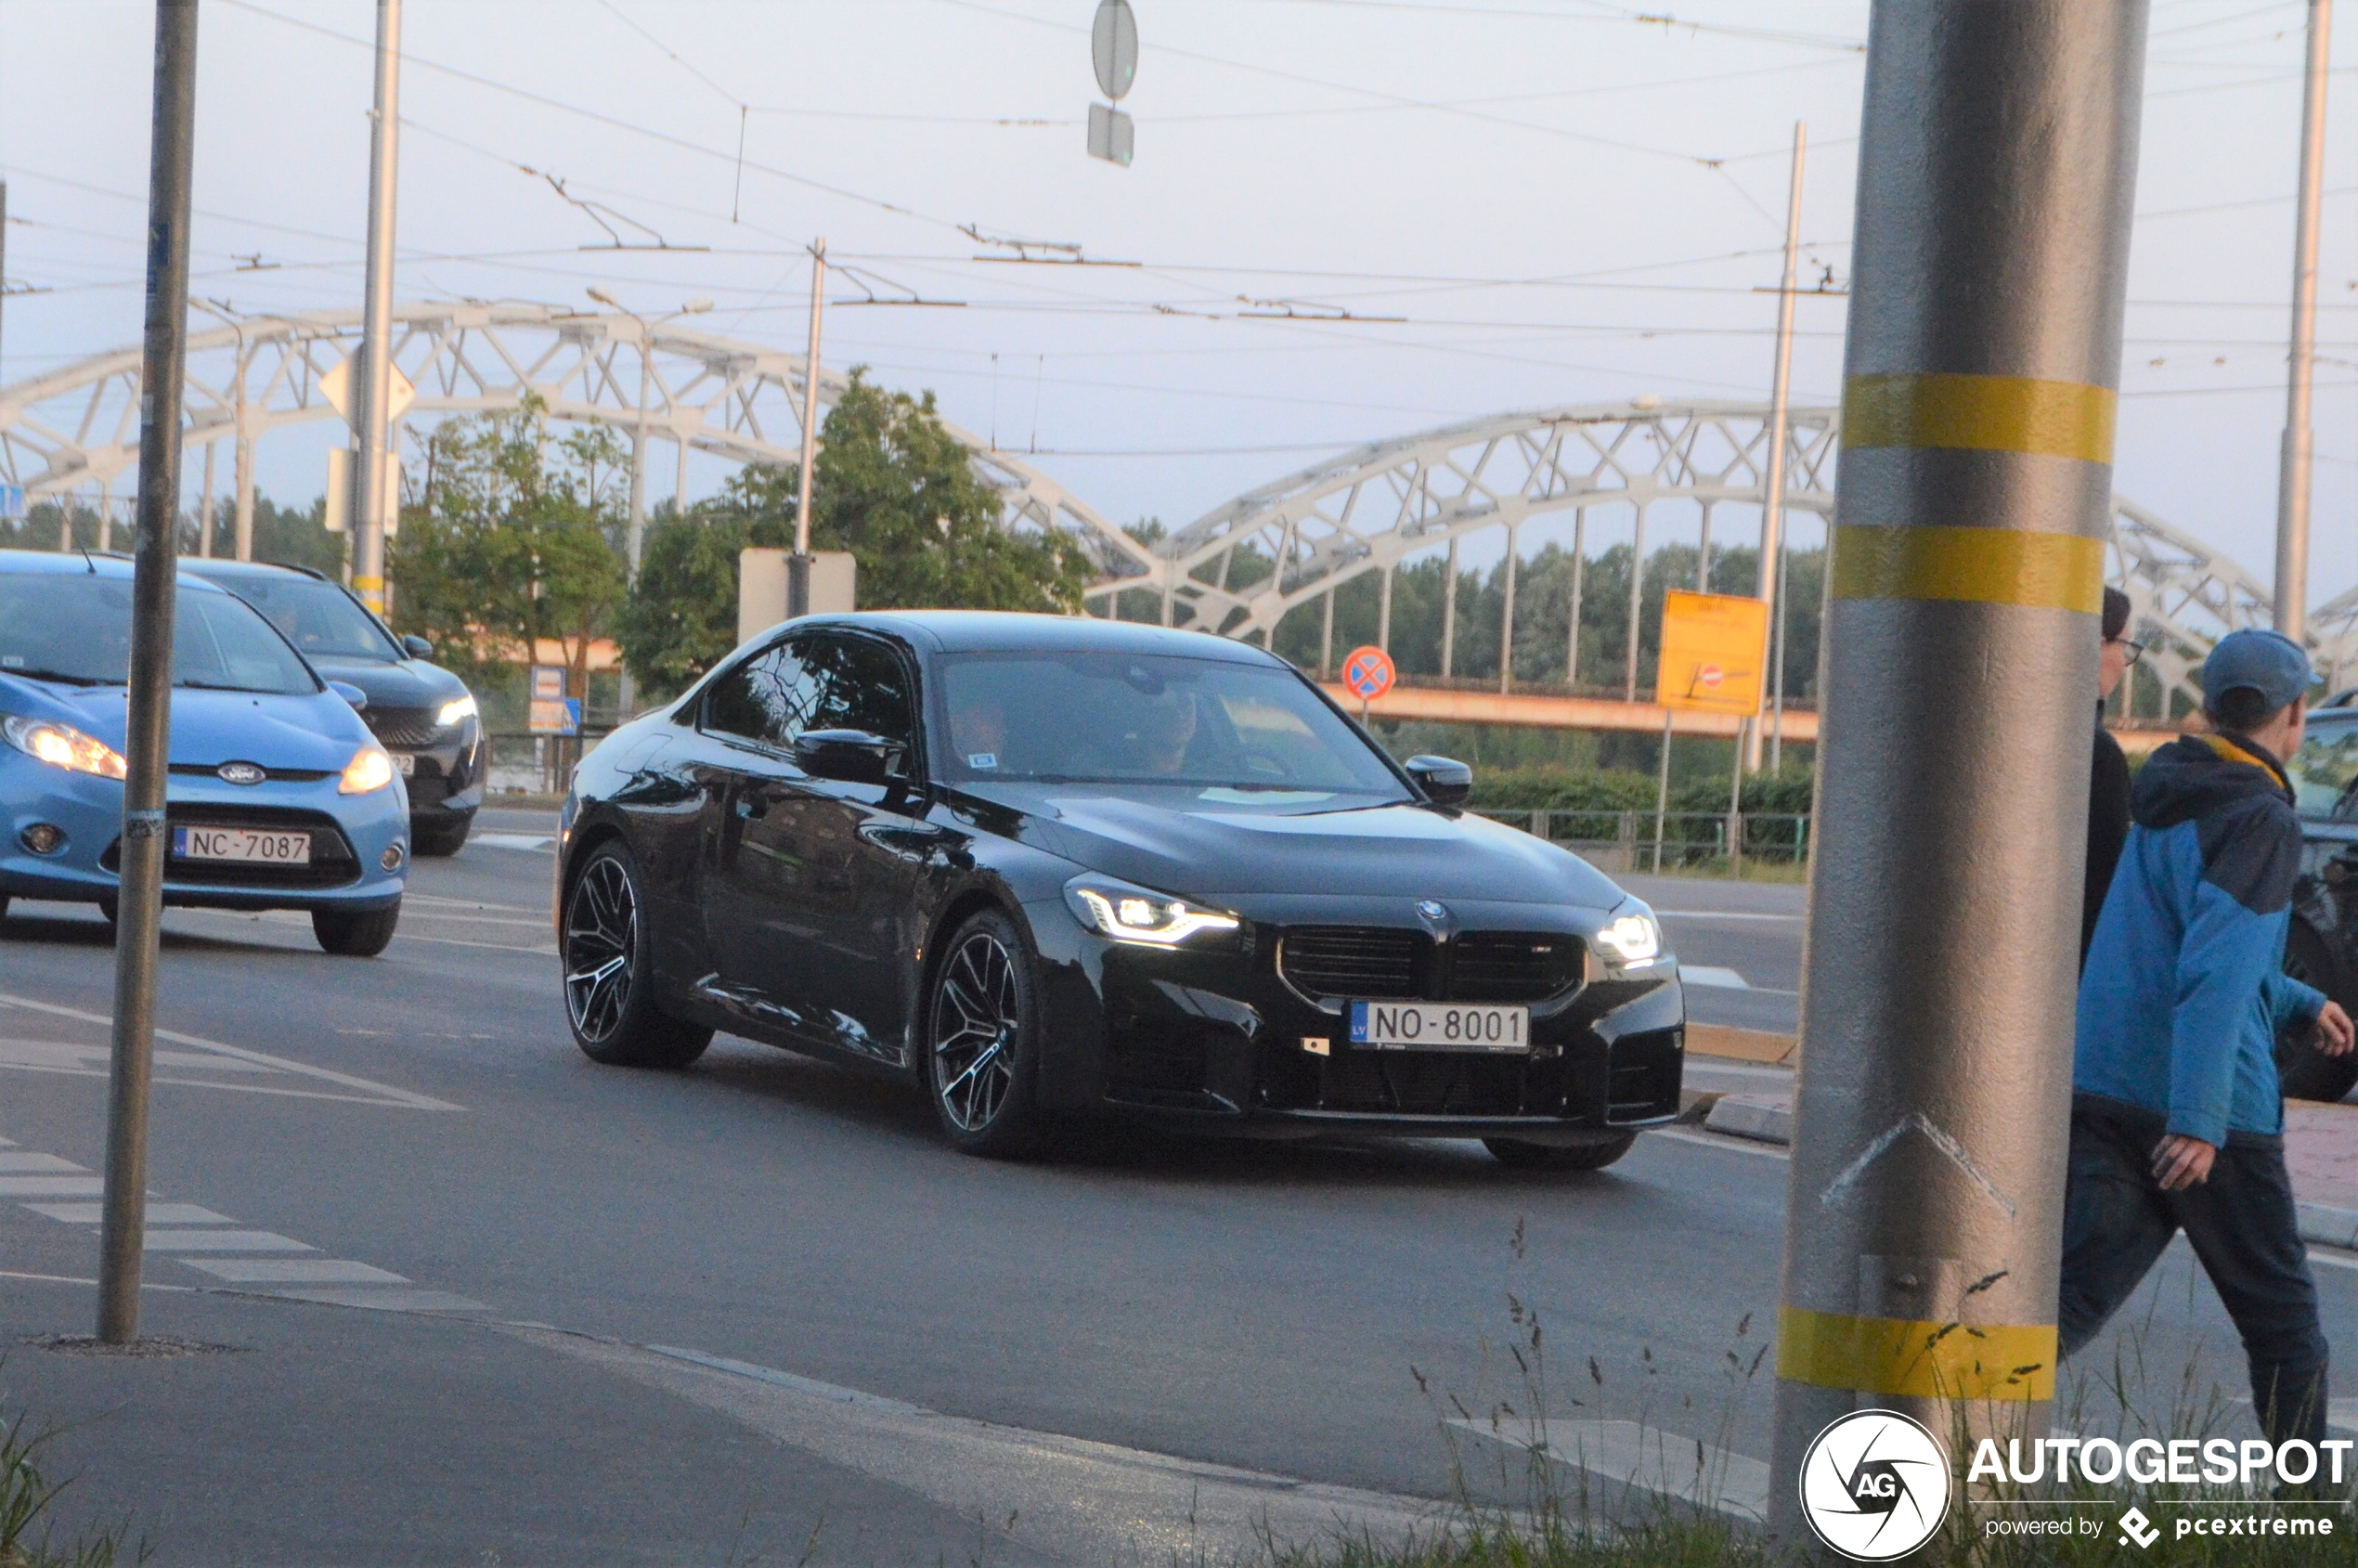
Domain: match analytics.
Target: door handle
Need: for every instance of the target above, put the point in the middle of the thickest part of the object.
(751, 806)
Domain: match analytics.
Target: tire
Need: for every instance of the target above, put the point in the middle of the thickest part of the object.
(982, 1041)
(440, 841)
(1517, 1155)
(609, 971)
(2304, 1072)
(355, 936)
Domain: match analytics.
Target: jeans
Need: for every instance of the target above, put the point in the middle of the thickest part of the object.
(2243, 1228)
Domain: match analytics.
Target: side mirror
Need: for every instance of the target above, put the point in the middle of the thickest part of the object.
(847, 755)
(349, 692)
(417, 647)
(1444, 782)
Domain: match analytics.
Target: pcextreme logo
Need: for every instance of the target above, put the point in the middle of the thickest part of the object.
(1875, 1485)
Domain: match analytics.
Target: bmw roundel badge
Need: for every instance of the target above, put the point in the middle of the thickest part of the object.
(1433, 911)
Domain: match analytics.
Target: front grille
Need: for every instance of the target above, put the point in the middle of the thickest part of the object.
(402, 726)
(1511, 966)
(1337, 963)
(1410, 1084)
(275, 776)
(332, 861)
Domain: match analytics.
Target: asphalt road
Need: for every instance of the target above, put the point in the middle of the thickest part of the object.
(924, 1344)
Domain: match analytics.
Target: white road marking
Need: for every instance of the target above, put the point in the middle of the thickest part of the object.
(28, 1162)
(1072, 1500)
(513, 840)
(1722, 914)
(379, 1094)
(224, 1241)
(1707, 1140)
(61, 1053)
(409, 899)
(1629, 1454)
(1713, 976)
(158, 1213)
(53, 1187)
(294, 1271)
(408, 913)
(454, 941)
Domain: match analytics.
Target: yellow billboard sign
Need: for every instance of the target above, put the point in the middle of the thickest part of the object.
(1713, 647)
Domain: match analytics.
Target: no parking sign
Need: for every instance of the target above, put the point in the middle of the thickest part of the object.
(1367, 672)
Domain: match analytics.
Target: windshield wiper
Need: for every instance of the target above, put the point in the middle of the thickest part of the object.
(61, 676)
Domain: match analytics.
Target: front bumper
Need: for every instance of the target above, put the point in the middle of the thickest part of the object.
(350, 837)
(1216, 1039)
(446, 780)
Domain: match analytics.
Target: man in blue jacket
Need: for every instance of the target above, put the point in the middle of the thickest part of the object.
(2177, 1122)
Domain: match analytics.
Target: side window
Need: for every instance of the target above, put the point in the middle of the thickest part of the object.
(765, 699)
(857, 684)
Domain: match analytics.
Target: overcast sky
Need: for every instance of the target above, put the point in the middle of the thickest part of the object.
(1564, 201)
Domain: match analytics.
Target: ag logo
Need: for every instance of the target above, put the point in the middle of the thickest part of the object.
(1875, 1485)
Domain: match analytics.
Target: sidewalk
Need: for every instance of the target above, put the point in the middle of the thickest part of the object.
(2321, 1141)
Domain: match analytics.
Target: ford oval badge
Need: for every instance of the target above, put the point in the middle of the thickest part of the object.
(241, 773)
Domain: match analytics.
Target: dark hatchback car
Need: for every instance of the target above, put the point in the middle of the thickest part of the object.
(421, 713)
(1044, 867)
(2322, 946)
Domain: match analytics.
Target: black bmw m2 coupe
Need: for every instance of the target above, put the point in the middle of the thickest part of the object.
(1047, 868)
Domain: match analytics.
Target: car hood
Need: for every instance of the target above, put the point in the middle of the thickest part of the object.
(314, 731)
(1213, 850)
(410, 684)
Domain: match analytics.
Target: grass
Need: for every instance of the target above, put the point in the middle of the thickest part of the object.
(28, 1501)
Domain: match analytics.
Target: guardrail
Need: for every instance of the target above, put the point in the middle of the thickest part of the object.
(550, 758)
(1637, 842)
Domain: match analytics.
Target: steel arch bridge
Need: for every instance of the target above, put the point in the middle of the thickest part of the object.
(72, 435)
(1369, 509)
(76, 432)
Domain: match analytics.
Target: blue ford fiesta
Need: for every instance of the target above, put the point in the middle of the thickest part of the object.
(279, 798)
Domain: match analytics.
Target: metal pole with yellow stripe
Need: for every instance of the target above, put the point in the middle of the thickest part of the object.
(1997, 162)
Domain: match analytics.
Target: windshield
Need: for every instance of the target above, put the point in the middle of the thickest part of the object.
(1240, 734)
(2324, 766)
(317, 617)
(77, 628)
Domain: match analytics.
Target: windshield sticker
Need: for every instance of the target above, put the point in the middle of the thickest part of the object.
(12, 661)
(1222, 795)
(981, 760)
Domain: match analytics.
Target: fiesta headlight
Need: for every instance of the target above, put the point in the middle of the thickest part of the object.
(1630, 941)
(62, 745)
(370, 768)
(453, 711)
(1129, 913)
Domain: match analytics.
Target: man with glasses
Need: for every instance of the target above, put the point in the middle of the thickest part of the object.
(2109, 776)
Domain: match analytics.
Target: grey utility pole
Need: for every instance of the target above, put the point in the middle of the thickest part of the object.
(139, 895)
(4, 252)
(1772, 499)
(2292, 479)
(372, 387)
(798, 565)
(1997, 166)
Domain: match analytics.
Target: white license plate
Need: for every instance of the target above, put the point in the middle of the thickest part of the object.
(258, 846)
(1439, 1026)
(405, 763)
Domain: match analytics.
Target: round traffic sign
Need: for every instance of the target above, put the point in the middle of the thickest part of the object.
(1367, 672)
(1113, 48)
(1709, 676)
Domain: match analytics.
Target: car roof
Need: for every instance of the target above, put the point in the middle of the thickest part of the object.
(974, 631)
(216, 566)
(80, 563)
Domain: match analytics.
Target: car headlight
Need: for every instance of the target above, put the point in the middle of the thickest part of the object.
(1129, 913)
(454, 710)
(62, 745)
(1630, 941)
(370, 768)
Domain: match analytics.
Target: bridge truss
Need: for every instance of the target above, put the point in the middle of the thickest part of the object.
(73, 434)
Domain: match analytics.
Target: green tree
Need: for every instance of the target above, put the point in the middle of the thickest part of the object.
(518, 539)
(895, 489)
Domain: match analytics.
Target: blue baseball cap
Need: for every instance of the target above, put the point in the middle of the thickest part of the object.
(2267, 662)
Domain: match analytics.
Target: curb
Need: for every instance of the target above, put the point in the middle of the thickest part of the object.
(1762, 1119)
(2328, 1226)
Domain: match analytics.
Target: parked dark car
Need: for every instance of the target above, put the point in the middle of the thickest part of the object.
(1045, 867)
(421, 713)
(2322, 946)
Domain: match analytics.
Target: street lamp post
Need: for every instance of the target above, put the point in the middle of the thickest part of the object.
(373, 391)
(798, 565)
(2296, 457)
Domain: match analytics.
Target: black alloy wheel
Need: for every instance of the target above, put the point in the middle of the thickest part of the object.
(2304, 1072)
(981, 1059)
(1517, 1155)
(609, 999)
